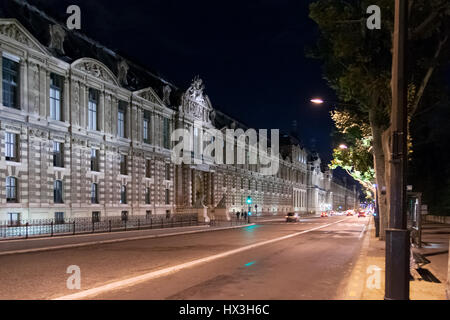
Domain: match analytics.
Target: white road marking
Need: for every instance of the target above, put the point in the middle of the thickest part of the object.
(166, 271)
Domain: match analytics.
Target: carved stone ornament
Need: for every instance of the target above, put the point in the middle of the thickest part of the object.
(57, 37)
(11, 30)
(95, 69)
(150, 95)
(195, 102)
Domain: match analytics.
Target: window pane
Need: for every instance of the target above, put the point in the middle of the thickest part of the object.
(10, 83)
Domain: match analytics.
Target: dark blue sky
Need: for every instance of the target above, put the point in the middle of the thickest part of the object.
(250, 53)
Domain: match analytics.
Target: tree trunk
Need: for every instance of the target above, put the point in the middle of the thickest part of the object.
(380, 170)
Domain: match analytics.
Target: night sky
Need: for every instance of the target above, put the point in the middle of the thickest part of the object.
(250, 53)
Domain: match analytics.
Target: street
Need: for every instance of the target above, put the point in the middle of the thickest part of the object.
(312, 260)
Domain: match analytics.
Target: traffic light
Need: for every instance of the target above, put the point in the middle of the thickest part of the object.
(249, 200)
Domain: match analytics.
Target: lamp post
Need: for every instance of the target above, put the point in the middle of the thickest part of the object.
(397, 236)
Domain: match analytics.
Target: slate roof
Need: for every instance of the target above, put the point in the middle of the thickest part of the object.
(77, 45)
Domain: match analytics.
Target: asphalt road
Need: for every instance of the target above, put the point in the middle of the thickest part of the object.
(312, 261)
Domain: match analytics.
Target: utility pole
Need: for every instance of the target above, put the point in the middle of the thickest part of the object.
(397, 236)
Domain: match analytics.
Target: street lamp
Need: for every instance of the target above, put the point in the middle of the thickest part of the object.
(343, 147)
(317, 101)
(321, 101)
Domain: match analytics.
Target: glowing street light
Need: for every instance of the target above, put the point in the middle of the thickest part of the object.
(317, 101)
(343, 147)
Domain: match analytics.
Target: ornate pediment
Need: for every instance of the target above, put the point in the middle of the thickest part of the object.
(150, 95)
(11, 28)
(96, 69)
(196, 103)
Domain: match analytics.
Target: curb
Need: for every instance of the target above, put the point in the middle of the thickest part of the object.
(153, 236)
(356, 281)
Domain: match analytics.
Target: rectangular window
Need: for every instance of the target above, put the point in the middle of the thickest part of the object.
(167, 176)
(148, 169)
(11, 147)
(146, 127)
(92, 109)
(10, 83)
(56, 85)
(95, 163)
(124, 215)
(121, 116)
(94, 193)
(148, 214)
(123, 195)
(95, 217)
(123, 165)
(166, 133)
(147, 196)
(11, 190)
(14, 219)
(58, 192)
(59, 217)
(58, 154)
(167, 196)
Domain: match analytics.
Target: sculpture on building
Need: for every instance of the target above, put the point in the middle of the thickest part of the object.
(122, 68)
(166, 93)
(57, 37)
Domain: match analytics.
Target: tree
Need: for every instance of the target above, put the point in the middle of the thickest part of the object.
(357, 64)
(356, 159)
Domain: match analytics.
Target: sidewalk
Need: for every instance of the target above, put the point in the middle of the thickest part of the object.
(366, 281)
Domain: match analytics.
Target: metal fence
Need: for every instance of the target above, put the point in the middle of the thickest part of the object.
(25, 229)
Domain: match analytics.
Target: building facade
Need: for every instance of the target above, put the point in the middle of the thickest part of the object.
(87, 133)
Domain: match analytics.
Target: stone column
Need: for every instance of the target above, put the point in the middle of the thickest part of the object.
(66, 101)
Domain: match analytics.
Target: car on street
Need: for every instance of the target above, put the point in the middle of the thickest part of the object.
(361, 214)
(349, 213)
(292, 217)
(324, 214)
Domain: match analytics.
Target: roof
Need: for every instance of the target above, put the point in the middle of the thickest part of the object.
(77, 45)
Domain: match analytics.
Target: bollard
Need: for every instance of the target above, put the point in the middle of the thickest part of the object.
(93, 227)
(26, 231)
(73, 227)
(139, 224)
(110, 229)
(51, 235)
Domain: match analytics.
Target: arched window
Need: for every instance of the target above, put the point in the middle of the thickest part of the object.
(11, 189)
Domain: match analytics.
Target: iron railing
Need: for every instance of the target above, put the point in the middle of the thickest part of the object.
(25, 229)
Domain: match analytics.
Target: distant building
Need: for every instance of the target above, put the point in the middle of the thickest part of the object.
(85, 132)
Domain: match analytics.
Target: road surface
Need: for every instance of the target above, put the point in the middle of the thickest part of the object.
(311, 259)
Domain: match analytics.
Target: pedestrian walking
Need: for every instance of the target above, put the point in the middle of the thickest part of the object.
(237, 215)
